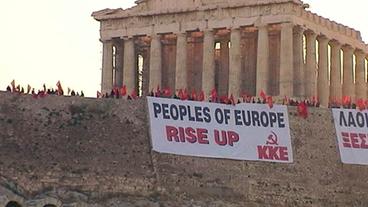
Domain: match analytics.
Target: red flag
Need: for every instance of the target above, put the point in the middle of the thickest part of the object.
(337, 101)
(214, 95)
(247, 98)
(185, 94)
(346, 101)
(201, 96)
(194, 95)
(167, 92)
(270, 102)
(116, 91)
(232, 100)
(303, 110)
(158, 91)
(263, 95)
(224, 99)
(134, 94)
(42, 94)
(360, 104)
(123, 90)
(180, 94)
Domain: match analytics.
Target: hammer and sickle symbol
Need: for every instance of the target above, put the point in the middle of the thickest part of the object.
(272, 139)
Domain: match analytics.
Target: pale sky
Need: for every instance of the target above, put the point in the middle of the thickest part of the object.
(43, 41)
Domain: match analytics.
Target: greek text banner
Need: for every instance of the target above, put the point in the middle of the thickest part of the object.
(352, 135)
(241, 132)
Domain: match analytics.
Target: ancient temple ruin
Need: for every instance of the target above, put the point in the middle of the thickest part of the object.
(235, 46)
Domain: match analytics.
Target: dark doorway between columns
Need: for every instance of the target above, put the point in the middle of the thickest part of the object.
(195, 61)
(274, 59)
(118, 60)
(168, 61)
(249, 44)
(222, 37)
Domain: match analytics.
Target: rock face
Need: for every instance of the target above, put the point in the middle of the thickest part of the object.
(96, 152)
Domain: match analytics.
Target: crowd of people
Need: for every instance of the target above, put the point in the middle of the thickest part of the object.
(184, 94)
(118, 93)
(42, 92)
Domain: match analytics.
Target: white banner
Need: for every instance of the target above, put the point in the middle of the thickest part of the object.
(352, 135)
(241, 132)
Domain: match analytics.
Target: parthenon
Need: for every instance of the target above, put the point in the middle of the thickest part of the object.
(234, 46)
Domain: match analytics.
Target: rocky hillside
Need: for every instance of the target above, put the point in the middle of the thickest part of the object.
(71, 151)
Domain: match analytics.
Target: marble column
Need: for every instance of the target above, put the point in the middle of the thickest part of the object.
(107, 66)
(360, 84)
(323, 80)
(286, 60)
(181, 61)
(335, 85)
(155, 63)
(348, 88)
(129, 72)
(235, 63)
(119, 60)
(310, 72)
(262, 59)
(208, 76)
(298, 55)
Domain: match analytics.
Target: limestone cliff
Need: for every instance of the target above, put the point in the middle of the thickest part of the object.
(70, 151)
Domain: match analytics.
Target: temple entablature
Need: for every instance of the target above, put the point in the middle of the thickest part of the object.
(145, 18)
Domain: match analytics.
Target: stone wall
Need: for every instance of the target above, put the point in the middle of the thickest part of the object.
(70, 151)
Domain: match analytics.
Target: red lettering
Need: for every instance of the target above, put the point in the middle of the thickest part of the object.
(363, 138)
(202, 136)
(172, 132)
(272, 153)
(188, 134)
(191, 138)
(346, 140)
(354, 140)
(226, 138)
(262, 152)
(220, 140)
(284, 154)
(181, 134)
(233, 137)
